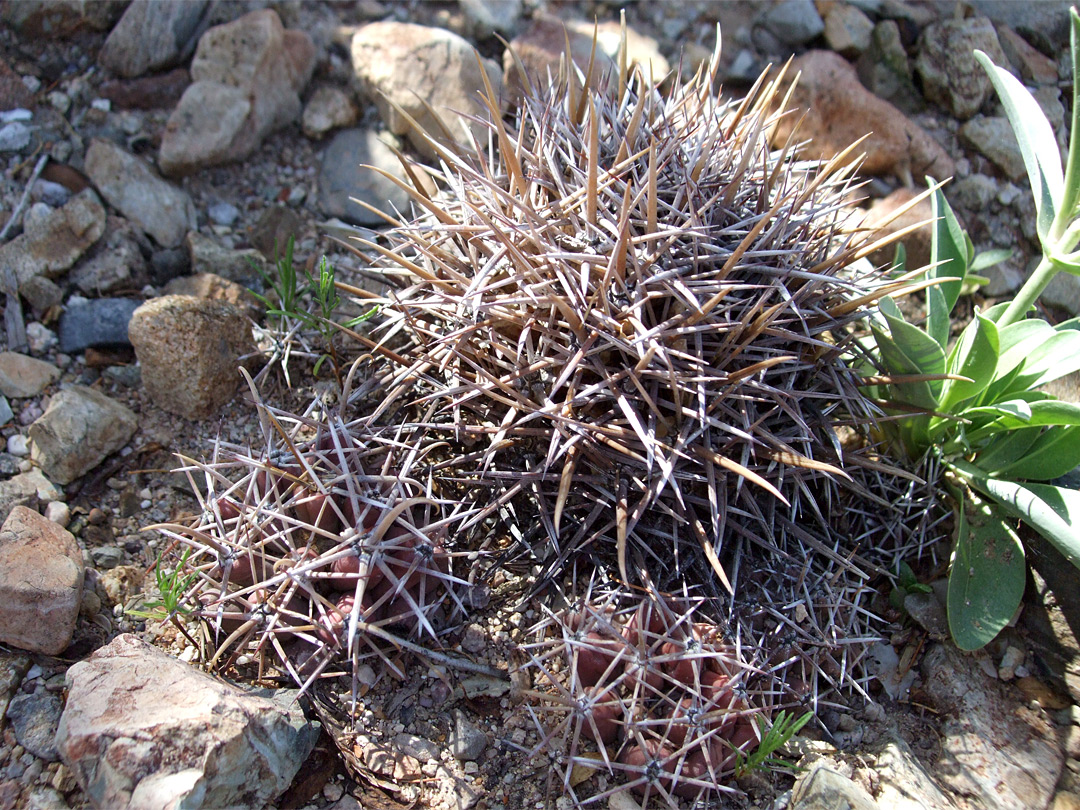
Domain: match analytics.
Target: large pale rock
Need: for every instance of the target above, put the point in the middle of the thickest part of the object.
(22, 376)
(951, 77)
(248, 76)
(189, 349)
(218, 288)
(41, 579)
(822, 788)
(163, 211)
(153, 34)
(540, 47)
(839, 111)
(143, 730)
(53, 242)
(79, 429)
(431, 74)
(992, 747)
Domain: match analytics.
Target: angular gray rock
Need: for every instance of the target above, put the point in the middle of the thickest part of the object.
(467, 742)
(116, 263)
(53, 242)
(141, 729)
(153, 34)
(793, 22)
(847, 30)
(79, 429)
(98, 322)
(885, 70)
(951, 77)
(343, 175)
(421, 69)
(22, 376)
(159, 208)
(248, 75)
(41, 580)
(207, 256)
(34, 718)
(992, 747)
(993, 137)
(189, 349)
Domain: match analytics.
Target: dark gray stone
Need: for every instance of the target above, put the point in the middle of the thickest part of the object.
(793, 22)
(167, 264)
(34, 719)
(467, 742)
(102, 322)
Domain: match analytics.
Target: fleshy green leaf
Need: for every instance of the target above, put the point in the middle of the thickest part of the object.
(1049, 360)
(974, 356)
(1036, 139)
(937, 316)
(948, 249)
(1054, 512)
(1054, 453)
(988, 258)
(1006, 448)
(895, 361)
(986, 581)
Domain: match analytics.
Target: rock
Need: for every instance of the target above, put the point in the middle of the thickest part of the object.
(431, 74)
(822, 788)
(41, 294)
(840, 110)
(22, 376)
(52, 194)
(329, 108)
(950, 75)
(248, 75)
(1063, 292)
(52, 243)
(925, 609)
(116, 263)
(793, 22)
(1032, 65)
(885, 70)
(41, 580)
(1045, 23)
(467, 742)
(902, 781)
(13, 93)
(106, 557)
(59, 18)
(163, 211)
(541, 46)
(148, 93)
(14, 137)
(13, 668)
(79, 429)
(40, 338)
(216, 288)
(189, 349)
(169, 263)
(273, 229)
(153, 35)
(97, 323)
(223, 213)
(999, 751)
(847, 30)
(993, 137)
(486, 17)
(141, 729)
(6, 414)
(344, 175)
(974, 192)
(917, 243)
(207, 256)
(29, 489)
(34, 718)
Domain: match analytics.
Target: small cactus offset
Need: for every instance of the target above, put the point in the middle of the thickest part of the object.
(319, 550)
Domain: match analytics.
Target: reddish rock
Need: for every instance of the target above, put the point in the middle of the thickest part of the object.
(41, 579)
(13, 93)
(839, 111)
(916, 243)
(1033, 66)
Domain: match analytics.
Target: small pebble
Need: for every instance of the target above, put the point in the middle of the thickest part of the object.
(18, 445)
(333, 791)
(102, 104)
(97, 516)
(223, 213)
(14, 136)
(31, 83)
(58, 512)
(60, 101)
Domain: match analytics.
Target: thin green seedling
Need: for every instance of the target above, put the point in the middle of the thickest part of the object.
(172, 587)
(773, 738)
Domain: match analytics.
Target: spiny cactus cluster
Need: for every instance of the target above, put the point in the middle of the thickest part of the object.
(616, 353)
